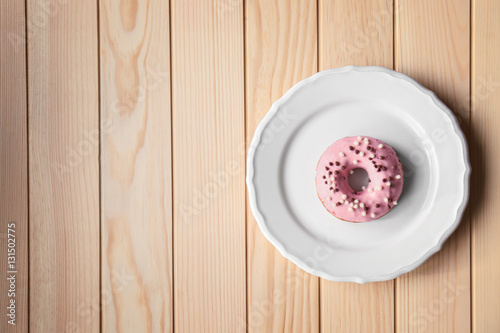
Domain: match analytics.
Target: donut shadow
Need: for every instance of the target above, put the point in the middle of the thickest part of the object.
(408, 173)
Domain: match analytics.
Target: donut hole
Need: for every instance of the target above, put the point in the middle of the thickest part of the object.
(358, 179)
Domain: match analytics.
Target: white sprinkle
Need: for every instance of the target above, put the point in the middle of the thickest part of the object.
(381, 146)
(350, 209)
(366, 141)
(363, 188)
(356, 143)
(361, 205)
(359, 138)
(386, 199)
(329, 182)
(356, 201)
(379, 188)
(355, 162)
(355, 206)
(373, 215)
(362, 153)
(341, 201)
(394, 203)
(335, 184)
(363, 213)
(372, 155)
(341, 154)
(332, 190)
(351, 172)
(370, 190)
(388, 184)
(346, 202)
(344, 196)
(351, 204)
(329, 198)
(398, 177)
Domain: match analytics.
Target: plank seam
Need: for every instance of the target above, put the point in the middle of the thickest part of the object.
(99, 162)
(318, 52)
(172, 179)
(245, 138)
(28, 307)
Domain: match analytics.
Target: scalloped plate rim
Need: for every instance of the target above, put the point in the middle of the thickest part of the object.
(297, 261)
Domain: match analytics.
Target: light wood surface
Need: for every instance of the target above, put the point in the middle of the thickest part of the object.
(13, 165)
(136, 188)
(365, 39)
(436, 296)
(485, 126)
(63, 131)
(208, 166)
(281, 49)
(124, 127)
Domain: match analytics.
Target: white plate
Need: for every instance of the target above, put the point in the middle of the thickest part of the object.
(352, 101)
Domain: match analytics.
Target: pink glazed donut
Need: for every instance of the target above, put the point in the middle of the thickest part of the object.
(385, 179)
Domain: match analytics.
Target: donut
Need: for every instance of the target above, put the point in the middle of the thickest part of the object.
(385, 178)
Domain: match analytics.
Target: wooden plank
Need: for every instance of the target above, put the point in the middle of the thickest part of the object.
(356, 33)
(13, 168)
(63, 166)
(136, 169)
(485, 120)
(281, 49)
(209, 165)
(435, 51)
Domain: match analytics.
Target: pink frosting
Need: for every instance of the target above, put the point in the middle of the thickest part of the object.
(384, 172)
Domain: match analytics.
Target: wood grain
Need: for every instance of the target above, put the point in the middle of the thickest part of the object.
(356, 33)
(63, 166)
(281, 49)
(13, 164)
(209, 165)
(137, 196)
(485, 120)
(136, 169)
(435, 51)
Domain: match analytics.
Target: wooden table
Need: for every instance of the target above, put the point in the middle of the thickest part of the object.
(123, 134)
